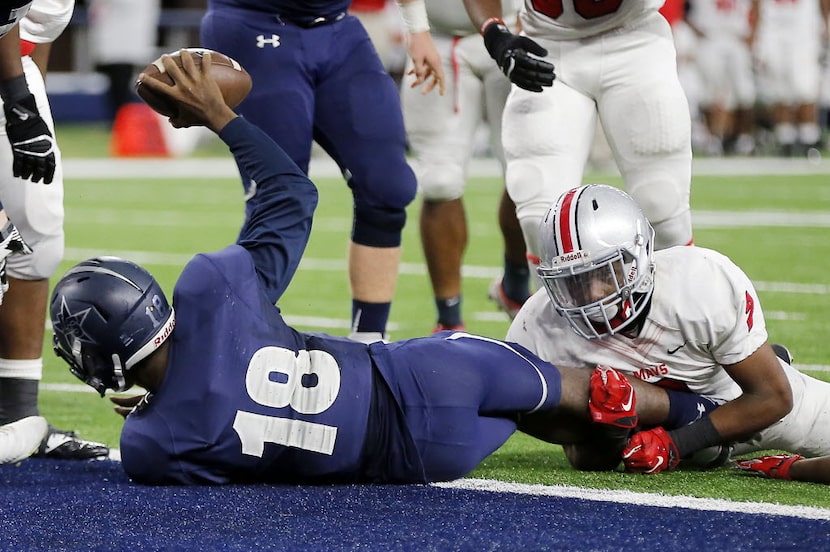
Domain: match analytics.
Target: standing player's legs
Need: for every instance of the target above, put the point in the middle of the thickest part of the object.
(513, 288)
(441, 130)
(806, 84)
(358, 121)
(460, 395)
(646, 118)
(36, 209)
(547, 137)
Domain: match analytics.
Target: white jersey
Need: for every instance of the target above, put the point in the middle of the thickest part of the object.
(572, 19)
(704, 314)
(451, 18)
(123, 31)
(789, 16)
(46, 20)
(788, 48)
(715, 18)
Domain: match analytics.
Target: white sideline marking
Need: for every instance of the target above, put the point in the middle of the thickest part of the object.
(640, 499)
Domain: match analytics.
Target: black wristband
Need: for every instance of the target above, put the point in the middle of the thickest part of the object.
(13, 90)
(695, 436)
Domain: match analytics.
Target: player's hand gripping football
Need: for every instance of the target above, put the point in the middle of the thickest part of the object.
(611, 398)
(33, 146)
(195, 91)
(651, 451)
(776, 466)
(511, 53)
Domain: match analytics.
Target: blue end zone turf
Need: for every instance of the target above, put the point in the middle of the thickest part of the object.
(66, 505)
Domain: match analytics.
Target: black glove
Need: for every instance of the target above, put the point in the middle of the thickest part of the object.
(511, 54)
(32, 144)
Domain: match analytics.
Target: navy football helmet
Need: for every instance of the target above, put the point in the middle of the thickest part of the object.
(108, 314)
(11, 13)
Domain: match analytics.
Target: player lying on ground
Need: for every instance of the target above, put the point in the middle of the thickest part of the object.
(683, 317)
(235, 394)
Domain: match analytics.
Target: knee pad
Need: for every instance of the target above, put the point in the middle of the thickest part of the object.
(664, 198)
(47, 252)
(382, 192)
(39, 218)
(377, 226)
(533, 193)
(440, 181)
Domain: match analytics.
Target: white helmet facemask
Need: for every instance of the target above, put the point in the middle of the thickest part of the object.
(596, 263)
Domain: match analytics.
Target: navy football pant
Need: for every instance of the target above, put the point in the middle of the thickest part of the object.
(460, 393)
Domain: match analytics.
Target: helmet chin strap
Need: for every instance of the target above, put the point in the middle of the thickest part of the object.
(118, 372)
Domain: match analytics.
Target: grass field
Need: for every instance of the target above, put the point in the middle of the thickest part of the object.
(777, 227)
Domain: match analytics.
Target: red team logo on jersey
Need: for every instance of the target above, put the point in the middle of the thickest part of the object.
(750, 310)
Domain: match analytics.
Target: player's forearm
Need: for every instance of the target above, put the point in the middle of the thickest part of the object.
(815, 470)
(739, 419)
(482, 10)
(10, 64)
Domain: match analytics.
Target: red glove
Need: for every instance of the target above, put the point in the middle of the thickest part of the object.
(611, 398)
(651, 451)
(776, 467)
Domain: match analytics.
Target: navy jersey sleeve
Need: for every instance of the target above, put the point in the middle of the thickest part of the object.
(279, 212)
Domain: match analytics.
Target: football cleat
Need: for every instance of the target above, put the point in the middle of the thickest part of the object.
(65, 445)
(20, 439)
(611, 398)
(503, 302)
(783, 353)
(10, 242)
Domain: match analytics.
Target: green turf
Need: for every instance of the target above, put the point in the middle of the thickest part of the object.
(182, 216)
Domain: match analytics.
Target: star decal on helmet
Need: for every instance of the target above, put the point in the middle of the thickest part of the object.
(72, 323)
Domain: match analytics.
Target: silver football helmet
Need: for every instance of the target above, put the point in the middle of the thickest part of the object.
(596, 259)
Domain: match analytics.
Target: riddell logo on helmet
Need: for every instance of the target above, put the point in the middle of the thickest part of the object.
(568, 257)
(159, 339)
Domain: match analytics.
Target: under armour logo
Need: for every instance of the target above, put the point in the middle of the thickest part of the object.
(261, 41)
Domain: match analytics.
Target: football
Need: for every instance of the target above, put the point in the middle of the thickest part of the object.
(233, 80)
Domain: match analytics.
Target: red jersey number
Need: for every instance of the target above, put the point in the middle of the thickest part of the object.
(588, 9)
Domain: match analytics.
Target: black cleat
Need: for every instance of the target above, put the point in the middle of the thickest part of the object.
(65, 445)
(783, 353)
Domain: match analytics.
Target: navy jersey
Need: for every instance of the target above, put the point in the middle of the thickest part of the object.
(247, 398)
(240, 381)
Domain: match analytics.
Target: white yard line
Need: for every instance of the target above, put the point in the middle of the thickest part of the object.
(640, 499)
(222, 167)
